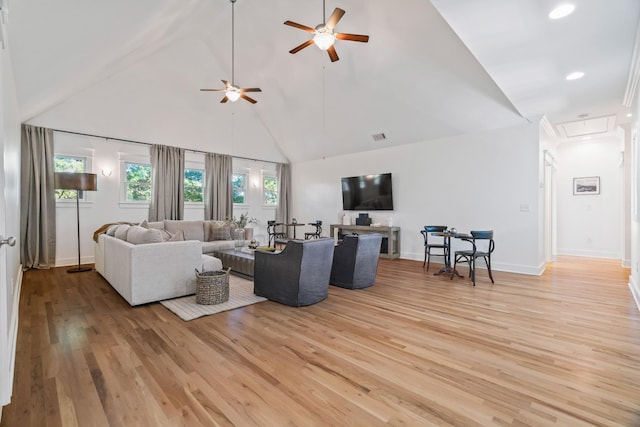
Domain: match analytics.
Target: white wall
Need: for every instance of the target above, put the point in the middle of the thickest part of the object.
(476, 181)
(591, 225)
(10, 266)
(104, 206)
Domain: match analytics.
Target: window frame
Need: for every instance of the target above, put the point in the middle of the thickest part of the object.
(195, 167)
(265, 175)
(124, 202)
(246, 188)
(84, 197)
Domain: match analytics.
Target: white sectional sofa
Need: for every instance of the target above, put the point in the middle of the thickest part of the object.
(156, 261)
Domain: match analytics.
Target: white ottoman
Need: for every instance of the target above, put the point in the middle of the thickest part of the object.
(210, 263)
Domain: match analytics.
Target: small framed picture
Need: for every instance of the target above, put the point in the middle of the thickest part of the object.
(586, 185)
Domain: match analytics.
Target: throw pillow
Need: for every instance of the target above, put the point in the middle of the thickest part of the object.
(121, 232)
(177, 237)
(111, 231)
(139, 235)
(158, 225)
(219, 232)
(144, 224)
(165, 235)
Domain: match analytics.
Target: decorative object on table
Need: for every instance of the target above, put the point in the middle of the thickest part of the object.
(586, 185)
(453, 231)
(242, 222)
(294, 221)
(78, 182)
(266, 249)
(212, 287)
(363, 219)
(253, 244)
(238, 236)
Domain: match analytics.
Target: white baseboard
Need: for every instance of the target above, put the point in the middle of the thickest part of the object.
(509, 268)
(68, 262)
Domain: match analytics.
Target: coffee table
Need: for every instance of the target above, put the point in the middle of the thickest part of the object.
(240, 263)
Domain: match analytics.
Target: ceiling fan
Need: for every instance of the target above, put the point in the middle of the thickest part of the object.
(324, 35)
(231, 91)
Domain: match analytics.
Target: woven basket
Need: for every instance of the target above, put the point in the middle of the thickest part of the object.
(212, 287)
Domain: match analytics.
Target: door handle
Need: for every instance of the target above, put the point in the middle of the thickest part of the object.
(11, 241)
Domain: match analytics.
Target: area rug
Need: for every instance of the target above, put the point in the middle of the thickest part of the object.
(240, 295)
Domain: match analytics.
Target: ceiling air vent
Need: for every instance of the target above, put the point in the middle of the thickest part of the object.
(379, 137)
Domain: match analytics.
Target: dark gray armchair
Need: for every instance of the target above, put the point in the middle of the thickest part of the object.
(297, 276)
(355, 261)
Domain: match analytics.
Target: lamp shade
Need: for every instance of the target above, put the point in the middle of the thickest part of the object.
(76, 181)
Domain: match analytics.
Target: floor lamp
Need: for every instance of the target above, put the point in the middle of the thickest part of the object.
(78, 182)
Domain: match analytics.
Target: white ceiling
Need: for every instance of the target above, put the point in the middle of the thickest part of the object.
(133, 70)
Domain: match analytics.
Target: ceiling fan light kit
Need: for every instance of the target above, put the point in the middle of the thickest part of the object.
(323, 35)
(231, 91)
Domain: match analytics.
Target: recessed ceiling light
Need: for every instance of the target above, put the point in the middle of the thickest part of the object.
(561, 11)
(575, 75)
(629, 114)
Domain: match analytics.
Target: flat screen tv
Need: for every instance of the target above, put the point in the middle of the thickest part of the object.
(367, 193)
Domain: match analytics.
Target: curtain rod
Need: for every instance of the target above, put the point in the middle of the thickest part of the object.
(148, 143)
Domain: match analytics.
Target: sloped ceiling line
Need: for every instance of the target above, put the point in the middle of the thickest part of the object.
(634, 72)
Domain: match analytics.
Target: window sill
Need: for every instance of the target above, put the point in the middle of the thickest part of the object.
(135, 205)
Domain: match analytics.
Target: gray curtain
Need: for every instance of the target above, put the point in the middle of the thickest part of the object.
(37, 199)
(283, 210)
(218, 199)
(167, 168)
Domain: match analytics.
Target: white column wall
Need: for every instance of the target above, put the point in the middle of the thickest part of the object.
(486, 180)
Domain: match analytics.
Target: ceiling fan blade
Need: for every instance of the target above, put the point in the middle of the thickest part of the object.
(226, 83)
(332, 54)
(251, 100)
(223, 100)
(352, 37)
(299, 26)
(302, 46)
(250, 89)
(212, 90)
(334, 18)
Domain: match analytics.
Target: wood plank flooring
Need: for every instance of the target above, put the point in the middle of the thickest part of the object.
(562, 349)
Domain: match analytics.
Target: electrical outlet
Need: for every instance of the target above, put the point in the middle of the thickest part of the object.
(524, 207)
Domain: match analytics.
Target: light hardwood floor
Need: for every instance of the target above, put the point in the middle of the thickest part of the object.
(558, 350)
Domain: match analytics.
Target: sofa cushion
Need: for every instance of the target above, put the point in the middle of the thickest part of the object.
(210, 263)
(219, 230)
(138, 235)
(193, 230)
(121, 231)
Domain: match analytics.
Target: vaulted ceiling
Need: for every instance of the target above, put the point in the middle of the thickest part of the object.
(133, 70)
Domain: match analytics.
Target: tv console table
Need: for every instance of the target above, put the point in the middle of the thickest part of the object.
(389, 234)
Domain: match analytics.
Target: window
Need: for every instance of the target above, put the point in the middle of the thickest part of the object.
(239, 183)
(69, 164)
(137, 182)
(193, 185)
(270, 190)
